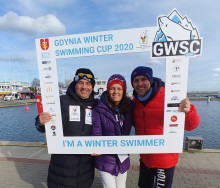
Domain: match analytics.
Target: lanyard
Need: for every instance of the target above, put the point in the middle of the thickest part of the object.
(119, 118)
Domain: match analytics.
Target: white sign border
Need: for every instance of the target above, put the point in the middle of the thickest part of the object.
(50, 49)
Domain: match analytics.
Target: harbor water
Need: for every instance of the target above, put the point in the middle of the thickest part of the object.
(16, 124)
(209, 127)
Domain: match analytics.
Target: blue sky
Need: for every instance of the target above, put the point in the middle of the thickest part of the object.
(22, 21)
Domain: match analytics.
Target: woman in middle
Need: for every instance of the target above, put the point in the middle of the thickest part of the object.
(113, 117)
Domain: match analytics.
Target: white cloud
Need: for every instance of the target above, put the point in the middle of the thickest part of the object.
(39, 7)
(216, 69)
(154, 61)
(48, 24)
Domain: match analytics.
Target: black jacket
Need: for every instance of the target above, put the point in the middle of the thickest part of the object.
(72, 170)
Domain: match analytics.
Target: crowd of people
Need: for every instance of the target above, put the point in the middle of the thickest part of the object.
(113, 115)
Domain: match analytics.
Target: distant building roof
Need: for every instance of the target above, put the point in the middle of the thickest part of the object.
(26, 90)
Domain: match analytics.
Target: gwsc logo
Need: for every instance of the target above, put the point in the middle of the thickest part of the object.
(176, 37)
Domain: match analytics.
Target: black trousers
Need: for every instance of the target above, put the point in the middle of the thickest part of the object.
(155, 177)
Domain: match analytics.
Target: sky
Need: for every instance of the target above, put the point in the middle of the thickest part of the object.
(23, 21)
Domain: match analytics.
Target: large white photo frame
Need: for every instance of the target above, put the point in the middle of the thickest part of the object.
(154, 40)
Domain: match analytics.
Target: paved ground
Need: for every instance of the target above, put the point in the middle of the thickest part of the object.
(25, 165)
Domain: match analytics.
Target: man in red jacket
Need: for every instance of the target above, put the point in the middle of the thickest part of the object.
(156, 170)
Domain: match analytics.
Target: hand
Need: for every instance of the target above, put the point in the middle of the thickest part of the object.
(45, 117)
(184, 105)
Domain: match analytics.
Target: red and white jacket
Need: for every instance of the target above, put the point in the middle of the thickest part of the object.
(149, 120)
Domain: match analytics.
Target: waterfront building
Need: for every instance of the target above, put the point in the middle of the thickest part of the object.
(5, 88)
(100, 86)
(11, 87)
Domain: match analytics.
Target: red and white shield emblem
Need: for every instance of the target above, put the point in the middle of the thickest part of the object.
(44, 44)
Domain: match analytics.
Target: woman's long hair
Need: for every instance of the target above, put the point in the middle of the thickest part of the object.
(124, 105)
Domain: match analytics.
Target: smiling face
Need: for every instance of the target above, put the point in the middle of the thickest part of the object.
(116, 93)
(83, 88)
(141, 85)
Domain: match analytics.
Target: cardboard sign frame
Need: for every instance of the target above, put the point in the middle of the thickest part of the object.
(175, 49)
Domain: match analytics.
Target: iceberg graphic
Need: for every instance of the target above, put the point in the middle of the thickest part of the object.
(174, 28)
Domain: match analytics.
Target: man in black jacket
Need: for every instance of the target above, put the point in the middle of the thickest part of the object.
(72, 170)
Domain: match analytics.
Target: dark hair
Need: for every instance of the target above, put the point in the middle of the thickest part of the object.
(124, 105)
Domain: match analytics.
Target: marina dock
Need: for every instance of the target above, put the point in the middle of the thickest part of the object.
(13, 103)
(25, 165)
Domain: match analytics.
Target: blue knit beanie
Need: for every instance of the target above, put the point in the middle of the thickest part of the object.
(142, 71)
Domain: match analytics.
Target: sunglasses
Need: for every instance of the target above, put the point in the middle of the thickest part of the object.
(89, 76)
